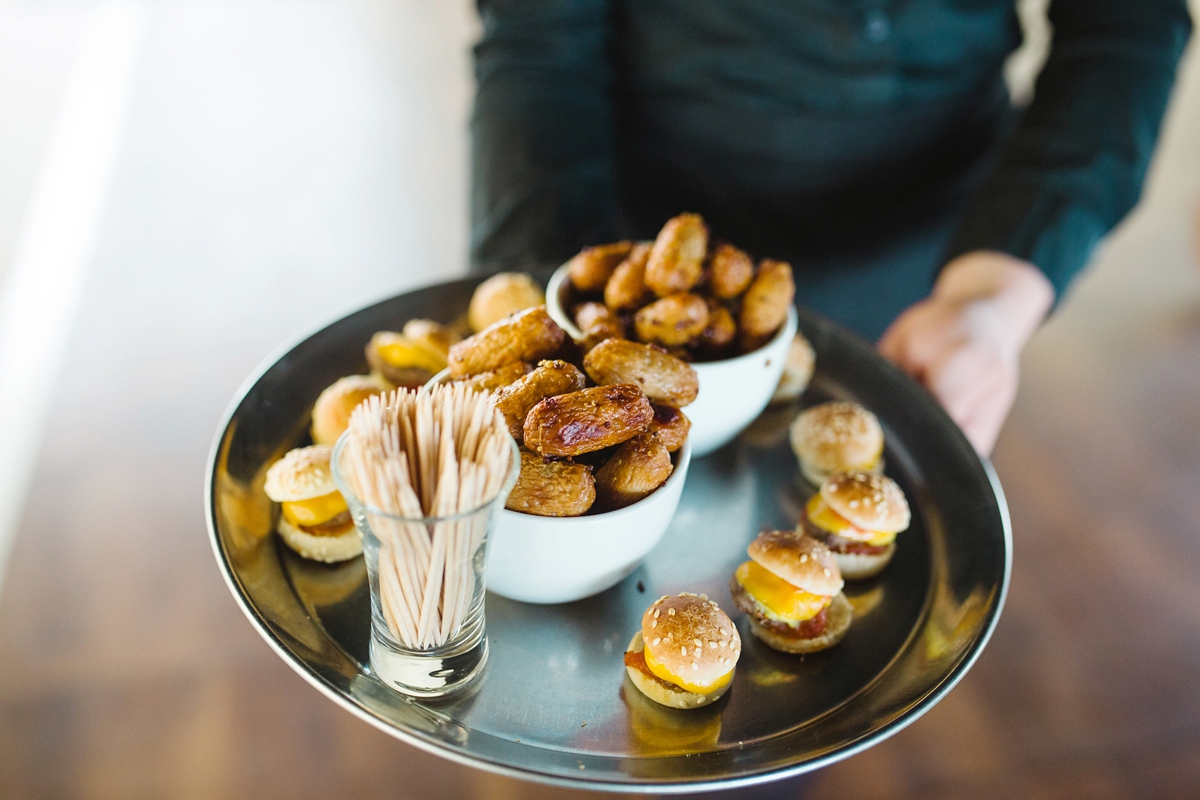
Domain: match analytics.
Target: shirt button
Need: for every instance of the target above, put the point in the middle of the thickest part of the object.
(878, 28)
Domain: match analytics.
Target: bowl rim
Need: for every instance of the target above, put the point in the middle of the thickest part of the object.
(559, 281)
(683, 462)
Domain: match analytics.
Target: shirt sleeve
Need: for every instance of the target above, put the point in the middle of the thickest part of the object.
(1075, 163)
(542, 150)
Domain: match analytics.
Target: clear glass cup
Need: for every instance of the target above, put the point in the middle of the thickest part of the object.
(424, 668)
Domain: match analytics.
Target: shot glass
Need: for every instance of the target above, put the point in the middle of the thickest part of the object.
(427, 582)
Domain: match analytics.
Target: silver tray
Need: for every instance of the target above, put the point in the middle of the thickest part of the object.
(554, 705)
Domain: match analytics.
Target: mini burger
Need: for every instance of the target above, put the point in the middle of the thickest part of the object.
(858, 514)
(792, 591)
(331, 412)
(684, 655)
(837, 437)
(314, 520)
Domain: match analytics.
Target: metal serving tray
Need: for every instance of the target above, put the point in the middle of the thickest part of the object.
(554, 705)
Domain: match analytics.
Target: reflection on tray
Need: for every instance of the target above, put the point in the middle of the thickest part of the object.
(655, 730)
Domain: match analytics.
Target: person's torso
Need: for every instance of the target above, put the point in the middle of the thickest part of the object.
(795, 105)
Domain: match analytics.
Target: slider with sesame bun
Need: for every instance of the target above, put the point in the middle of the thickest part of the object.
(314, 520)
(857, 515)
(685, 653)
(837, 437)
(792, 591)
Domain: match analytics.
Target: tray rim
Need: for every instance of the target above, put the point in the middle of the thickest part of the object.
(437, 748)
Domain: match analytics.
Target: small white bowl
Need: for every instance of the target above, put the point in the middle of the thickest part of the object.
(559, 559)
(733, 391)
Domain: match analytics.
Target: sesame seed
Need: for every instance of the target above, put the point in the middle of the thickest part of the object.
(724, 632)
(683, 651)
(695, 667)
(854, 504)
(654, 623)
(657, 611)
(670, 612)
(712, 645)
(701, 700)
(703, 596)
(720, 644)
(827, 572)
(697, 642)
(803, 558)
(657, 639)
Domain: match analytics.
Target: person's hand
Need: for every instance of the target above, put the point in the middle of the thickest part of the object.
(964, 341)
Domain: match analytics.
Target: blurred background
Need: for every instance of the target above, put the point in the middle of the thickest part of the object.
(186, 184)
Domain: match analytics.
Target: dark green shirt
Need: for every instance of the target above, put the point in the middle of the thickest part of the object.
(809, 129)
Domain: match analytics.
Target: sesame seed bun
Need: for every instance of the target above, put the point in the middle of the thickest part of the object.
(663, 692)
(859, 566)
(832, 437)
(302, 474)
(869, 502)
(329, 549)
(800, 560)
(840, 615)
(331, 413)
(690, 635)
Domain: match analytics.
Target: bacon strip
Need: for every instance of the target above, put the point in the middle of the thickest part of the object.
(637, 660)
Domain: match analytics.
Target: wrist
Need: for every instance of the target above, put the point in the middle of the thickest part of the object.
(1015, 292)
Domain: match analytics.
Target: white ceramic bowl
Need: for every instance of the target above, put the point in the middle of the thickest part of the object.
(733, 392)
(560, 559)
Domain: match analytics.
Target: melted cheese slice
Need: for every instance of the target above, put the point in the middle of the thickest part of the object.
(827, 519)
(314, 511)
(401, 352)
(681, 681)
(785, 601)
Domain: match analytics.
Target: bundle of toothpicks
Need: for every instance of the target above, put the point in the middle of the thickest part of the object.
(425, 455)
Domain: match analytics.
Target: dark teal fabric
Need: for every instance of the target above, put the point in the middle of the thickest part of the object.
(831, 133)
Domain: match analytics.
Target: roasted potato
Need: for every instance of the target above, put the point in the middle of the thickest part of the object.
(550, 378)
(552, 488)
(597, 322)
(529, 335)
(497, 378)
(401, 361)
(502, 295)
(639, 467)
(797, 370)
(590, 270)
(664, 378)
(721, 329)
(765, 304)
(730, 271)
(672, 321)
(677, 258)
(626, 289)
(587, 420)
(669, 426)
